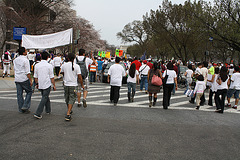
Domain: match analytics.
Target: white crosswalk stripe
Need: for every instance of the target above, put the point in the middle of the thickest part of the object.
(99, 96)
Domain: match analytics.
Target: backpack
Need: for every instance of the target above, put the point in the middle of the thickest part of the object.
(82, 64)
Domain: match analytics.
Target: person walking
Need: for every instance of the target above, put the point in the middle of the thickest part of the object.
(23, 80)
(234, 88)
(168, 87)
(214, 86)
(71, 75)
(57, 62)
(152, 89)
(31, 57)
(116, 72)
(223, 82)
(143, 71)
(100, 69)
(6, 59)
(199, 90)
(44, 78)
(189, 74)
(82, 58)
(38, 60)
(133, 78)
(93, 72)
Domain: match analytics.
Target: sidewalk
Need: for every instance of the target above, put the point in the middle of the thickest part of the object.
(7, 83)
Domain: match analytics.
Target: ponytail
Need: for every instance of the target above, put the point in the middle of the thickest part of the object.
(71, 57)
(72, 66)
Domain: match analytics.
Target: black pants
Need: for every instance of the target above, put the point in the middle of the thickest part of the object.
(210, 102)
(220, 101)
(57, 70)
(114, 94)
(167, 89)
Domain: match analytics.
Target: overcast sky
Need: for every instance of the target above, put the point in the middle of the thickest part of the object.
(110, 16)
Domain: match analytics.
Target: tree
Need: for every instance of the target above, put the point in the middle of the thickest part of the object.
(134, 32)
(3, 29)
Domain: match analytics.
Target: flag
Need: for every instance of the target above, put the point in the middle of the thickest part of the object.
(99, 53)
(117, 53)
(144, 56)
(108, 55)
(103, 54)
(120, 53)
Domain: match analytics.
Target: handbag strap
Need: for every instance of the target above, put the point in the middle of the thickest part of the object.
(143, 68)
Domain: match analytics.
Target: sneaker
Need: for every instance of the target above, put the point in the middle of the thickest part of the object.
(84, 103)
(191, 101)
(48, 113)
(197, 108)
(79, 105)
(234, 107)
(229, 105)
(26, 111)
(37, 116)
(68, 118)
(150, 104)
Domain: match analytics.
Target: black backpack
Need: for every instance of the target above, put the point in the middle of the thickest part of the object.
(82, 64)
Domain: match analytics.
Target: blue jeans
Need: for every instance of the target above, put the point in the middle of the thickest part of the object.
(92, 76)
(131, 87)
(144, 82)
(173, 91)
(23, 104)
(45, 101)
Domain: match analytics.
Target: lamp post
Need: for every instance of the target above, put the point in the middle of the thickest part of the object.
(207, 52)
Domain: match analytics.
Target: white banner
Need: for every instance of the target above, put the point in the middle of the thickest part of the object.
(47, 41)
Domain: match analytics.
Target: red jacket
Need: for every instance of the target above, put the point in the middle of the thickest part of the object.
(137, 63)
(175, 69)
(150, 65)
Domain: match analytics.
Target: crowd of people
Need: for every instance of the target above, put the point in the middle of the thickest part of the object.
(81, 70)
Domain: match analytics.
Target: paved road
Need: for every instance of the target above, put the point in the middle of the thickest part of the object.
(128, 131)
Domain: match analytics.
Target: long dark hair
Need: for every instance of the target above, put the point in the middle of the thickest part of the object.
(71, 58)
(223, 73)
(132, 70)
(155, 66)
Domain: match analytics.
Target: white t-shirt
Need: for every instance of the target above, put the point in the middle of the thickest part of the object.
(200, 87)
(171, 75)
(223, 85)
(236, 80)
(231, 71)
(130, 79)
(31, 57)
(204, 72)
(70, 76)
(116, 72)
(189, 73)
(57, 61)
(144, 69)
(198, 71)
(43, 72)
(214, 85)
(21, 68)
